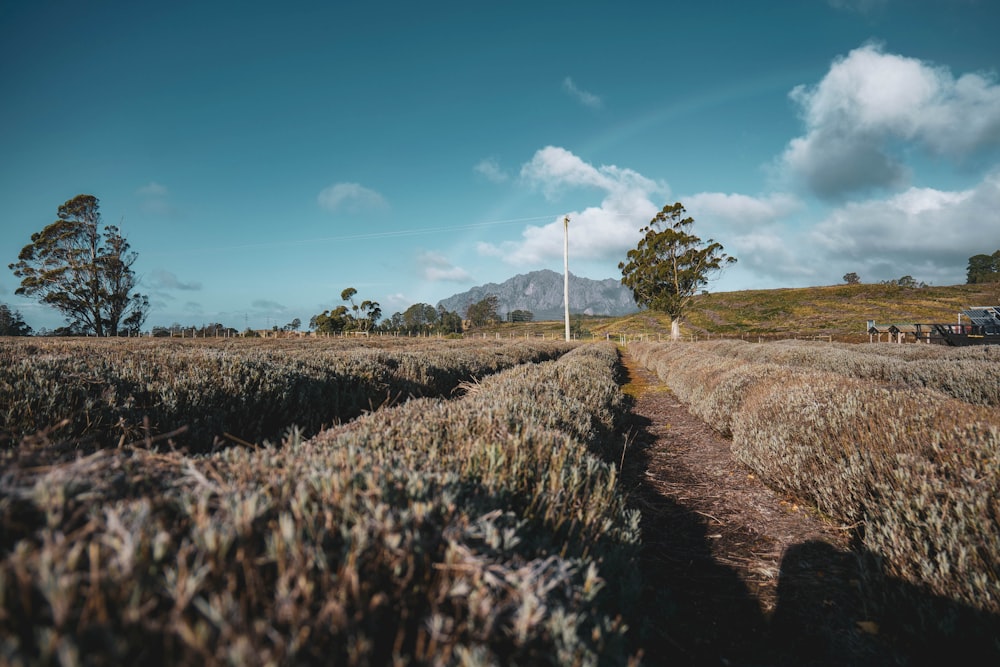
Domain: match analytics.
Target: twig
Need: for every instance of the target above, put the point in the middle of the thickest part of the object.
(149, 440)
(238, 441)
(719, 521)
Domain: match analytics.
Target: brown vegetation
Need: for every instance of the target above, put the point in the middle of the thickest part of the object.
(479, 530)
(913, 472)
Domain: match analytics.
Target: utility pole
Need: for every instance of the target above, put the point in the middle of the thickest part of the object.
(566, 271)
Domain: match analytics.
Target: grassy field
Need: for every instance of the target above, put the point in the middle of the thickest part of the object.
(837, 311)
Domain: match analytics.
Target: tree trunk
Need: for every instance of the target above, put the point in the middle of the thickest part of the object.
(675, 328)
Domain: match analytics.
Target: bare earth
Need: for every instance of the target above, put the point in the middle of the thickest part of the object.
(736, 574)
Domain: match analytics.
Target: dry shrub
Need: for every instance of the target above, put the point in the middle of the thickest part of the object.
(475, 531)
(914, 471)
(115, 391)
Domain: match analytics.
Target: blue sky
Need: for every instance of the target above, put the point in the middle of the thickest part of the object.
(262, 157)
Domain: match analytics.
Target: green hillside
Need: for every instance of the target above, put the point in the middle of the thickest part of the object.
(839, 311)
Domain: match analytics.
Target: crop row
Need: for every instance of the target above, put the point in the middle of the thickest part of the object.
(970, 374)
(915, 472)
(109, 392)
(474, 531)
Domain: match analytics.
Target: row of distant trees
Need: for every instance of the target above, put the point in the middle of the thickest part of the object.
(420, 318)
(982, 269)
(85, 272)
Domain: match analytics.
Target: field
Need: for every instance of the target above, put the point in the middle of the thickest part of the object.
(899, 444)
(473, 527)
(454, 502)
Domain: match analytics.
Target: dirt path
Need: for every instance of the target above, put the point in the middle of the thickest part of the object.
(737, 574)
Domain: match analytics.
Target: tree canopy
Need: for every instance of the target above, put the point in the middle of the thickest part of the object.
(361, 317)
(83, 271)
(11, 323)
(984, 269)
(484, 311)
(670, 265)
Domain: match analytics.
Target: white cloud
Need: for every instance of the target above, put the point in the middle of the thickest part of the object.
(871, 101)
(162, 279)
(351, 197)
(755, 230)
(437, 268)
(920, 231)
(774, 252)
(596, 232)
(490, 168)
(741, 209)
(553, 169)
(582, 96)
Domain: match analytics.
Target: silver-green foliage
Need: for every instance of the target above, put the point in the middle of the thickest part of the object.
(914, 470)
(479, 531)
(110, 390)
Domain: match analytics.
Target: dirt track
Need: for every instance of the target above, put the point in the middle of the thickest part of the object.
(738, 574)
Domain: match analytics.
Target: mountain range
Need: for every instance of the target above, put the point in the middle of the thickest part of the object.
(541, 293)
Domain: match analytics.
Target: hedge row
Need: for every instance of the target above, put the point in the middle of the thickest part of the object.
(970, 374)
(476, 531)
(914, 471)
(115, 391)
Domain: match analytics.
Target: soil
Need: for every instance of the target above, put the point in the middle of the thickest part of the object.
(735, 573)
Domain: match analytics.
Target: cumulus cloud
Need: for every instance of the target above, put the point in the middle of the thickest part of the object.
(582, 96)
(921, 229)
(352, 198)
(166, 280)
(597, 232)
(554, 169)
(742, 209)
(870, 102)
(437, 268)
(490, 169)
(755, 230)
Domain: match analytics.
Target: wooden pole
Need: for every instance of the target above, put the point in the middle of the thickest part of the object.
(566, 271)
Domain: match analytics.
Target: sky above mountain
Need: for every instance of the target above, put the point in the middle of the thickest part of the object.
(261, 157)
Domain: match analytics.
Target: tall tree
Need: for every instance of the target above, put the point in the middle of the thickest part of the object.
(332, 321)
(83, 271)
(11, 323)
(983, 269)
(670, 265)
(483, 312)
(420, 317)
(372, 313)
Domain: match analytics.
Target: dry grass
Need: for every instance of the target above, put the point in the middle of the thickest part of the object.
(117, 391)
(482, 530)
(915, 471)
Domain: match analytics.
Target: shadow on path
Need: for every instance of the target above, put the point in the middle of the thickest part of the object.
(698, 609)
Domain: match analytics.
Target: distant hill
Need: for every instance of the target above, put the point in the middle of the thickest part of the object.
(541, 293)
(840, 311)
